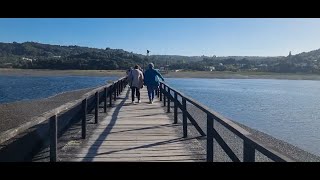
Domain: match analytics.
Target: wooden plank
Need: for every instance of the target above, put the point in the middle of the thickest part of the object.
(152, 159)
(113, 148)
(140, 143)
(137, 153)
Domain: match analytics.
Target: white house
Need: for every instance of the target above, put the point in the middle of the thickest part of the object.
(27, 59)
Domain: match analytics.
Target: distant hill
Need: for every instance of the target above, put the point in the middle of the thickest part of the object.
(306, 62)
(45, 56)
(175, 58)
(37, 55)
(309, 56)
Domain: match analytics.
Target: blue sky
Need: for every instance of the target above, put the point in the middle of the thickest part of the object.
(172, 36)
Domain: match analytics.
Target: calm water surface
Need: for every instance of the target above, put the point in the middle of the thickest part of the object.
(286, 109)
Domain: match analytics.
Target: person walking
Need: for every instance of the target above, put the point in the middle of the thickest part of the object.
(151, 77)
(136, 83)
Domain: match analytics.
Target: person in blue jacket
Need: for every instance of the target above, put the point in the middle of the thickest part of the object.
(151, 77)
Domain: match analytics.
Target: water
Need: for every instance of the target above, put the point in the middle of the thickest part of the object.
(17, 88)
(286, 109)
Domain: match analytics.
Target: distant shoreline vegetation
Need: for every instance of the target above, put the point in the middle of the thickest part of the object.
(170, 74)
(32, 55)
(242, 75)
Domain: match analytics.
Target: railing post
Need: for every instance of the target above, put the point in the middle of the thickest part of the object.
(115, 92)
(164, 95)
(53, 138)
(169, 96)
(184, 117)
(105, 100)
(175, 108)
(118, 88)
(96, 112)
(84, 118)
(209, 138)
(248, 152)
(122, 85)
(110, 96)
(160, 88)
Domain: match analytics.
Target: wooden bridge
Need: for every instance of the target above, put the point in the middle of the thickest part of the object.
(135, 132)
(143, 132)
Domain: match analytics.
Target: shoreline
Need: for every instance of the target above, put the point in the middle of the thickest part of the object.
(50, 97)
(17, 113)
(48, 72)
(180, 74)
(241, 75)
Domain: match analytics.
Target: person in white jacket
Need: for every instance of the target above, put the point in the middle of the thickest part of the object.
(136, 82)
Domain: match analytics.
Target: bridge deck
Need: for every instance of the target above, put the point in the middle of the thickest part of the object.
(136, 132)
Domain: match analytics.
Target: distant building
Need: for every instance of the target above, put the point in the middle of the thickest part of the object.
(210, 68)
(263, 65)
(27, 59)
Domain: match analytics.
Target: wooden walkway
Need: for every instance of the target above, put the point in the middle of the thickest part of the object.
(137, 132)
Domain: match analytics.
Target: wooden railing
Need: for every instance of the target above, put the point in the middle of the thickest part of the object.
(87, 102)
(116, 88)
(250, 143)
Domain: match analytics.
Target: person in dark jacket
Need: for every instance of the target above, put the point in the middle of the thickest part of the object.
(150, 81)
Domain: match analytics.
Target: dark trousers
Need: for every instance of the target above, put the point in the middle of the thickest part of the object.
(133, 90)
(151, 90)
